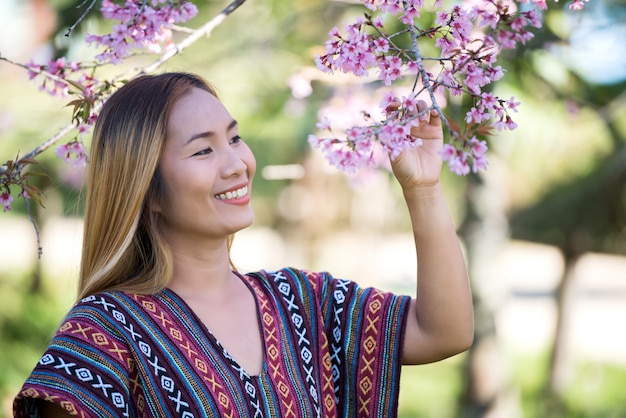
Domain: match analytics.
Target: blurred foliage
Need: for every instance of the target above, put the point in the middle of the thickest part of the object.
(27, 321)
(579, 174)
(593, 392)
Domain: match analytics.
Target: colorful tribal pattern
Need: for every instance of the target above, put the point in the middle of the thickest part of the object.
(331, 349)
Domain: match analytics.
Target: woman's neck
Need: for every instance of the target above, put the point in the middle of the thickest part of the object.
(201, 270)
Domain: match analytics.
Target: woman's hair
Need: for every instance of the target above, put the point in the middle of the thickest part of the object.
(122, 246)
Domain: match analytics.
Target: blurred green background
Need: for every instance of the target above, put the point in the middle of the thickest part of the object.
(544, 229)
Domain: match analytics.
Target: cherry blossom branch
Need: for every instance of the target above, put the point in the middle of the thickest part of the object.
(469, 38)
(426, 82)
(91, 95)
(34, 71)
(203, 31)
(47, 144)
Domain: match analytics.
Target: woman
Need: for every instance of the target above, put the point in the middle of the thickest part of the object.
(165, 326)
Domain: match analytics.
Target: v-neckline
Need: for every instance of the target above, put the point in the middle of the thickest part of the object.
(223, 353)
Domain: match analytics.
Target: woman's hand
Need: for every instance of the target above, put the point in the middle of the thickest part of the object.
(421, 166)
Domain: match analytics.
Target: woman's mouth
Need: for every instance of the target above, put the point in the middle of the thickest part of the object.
(233, 194)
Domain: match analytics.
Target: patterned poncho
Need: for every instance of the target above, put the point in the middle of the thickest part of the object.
(331, 349)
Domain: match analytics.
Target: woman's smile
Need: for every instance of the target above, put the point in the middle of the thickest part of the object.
(238, 195)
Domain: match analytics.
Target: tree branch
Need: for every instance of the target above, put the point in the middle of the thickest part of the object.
(204, 30)
(82, 17)
(426, 80)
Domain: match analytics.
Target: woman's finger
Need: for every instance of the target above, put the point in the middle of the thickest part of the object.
(434, 118)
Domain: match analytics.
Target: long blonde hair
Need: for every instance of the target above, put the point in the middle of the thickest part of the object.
(122, 247)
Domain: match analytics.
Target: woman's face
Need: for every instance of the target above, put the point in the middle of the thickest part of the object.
(207, 170)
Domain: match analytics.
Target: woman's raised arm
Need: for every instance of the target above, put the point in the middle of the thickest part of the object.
(441, 319)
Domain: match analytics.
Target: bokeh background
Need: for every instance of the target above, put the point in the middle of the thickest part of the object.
(544, 229)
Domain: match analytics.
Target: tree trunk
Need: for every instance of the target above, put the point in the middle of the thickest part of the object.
(488, 390)
(559, 360)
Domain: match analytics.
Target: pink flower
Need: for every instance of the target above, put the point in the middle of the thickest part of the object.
(509, 123)
(459, 165)
(534, 18)
(446, 46)
(442, 18)
(412, 67)
(511, 104)
(390, 69)
(479, 148)
(380, 45)
(74, 153)
(323, 124)
(138, 26)
(378, 21)
(314, 141)
(410, 102)
(388, 99)
(541, 3)
(83, 129)
(488, 101)
(480, 163)
(488, 18)
(410, 14)
(5, 200)
(447, 152)
(475, 115)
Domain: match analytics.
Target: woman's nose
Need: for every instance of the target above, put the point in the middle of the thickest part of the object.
(233, 164)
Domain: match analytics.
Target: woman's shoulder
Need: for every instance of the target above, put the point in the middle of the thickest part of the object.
(304, 282)
(109, 311)
(289, 276)
(290, 273)
(105, 303)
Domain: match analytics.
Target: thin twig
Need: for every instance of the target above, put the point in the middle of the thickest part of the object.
(204, 30)
(82, 17)
(426, 80)
(42, 147)
(36, 71)
(32, 221)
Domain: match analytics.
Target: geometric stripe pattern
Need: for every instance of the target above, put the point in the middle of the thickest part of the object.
(331, 349)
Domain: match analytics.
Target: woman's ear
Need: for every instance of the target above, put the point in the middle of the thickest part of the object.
(154, 208)
(156, 193)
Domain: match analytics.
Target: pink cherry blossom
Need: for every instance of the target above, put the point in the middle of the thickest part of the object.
(458, 164)
(324, 124)
(5, 200)
(24, 194)
(448, 151)
(73, 152)
(138, 26)
(512, 104)
(409, 102)
(390, 69)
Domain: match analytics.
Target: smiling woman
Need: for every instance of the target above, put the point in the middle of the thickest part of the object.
(164, 326)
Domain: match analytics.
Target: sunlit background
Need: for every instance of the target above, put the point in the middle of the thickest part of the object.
(544, 229)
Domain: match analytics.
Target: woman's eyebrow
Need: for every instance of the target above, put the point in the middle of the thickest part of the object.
(209, 134)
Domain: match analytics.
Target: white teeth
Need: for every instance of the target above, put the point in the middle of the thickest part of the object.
(234, 194)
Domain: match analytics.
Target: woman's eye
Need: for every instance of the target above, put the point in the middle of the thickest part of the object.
(235, 139)
(204, 152)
